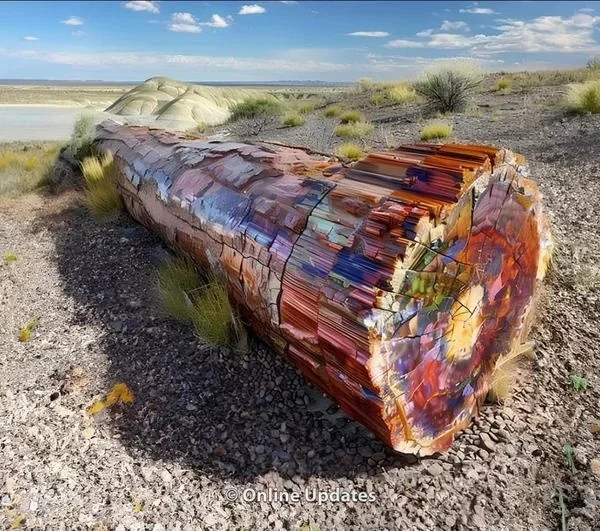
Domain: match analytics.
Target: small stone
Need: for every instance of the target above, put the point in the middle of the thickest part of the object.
(365, 451)
(166, 477)
(88, 432)
(595, 467)
(435, 469)
(33, 506)
(486, 442)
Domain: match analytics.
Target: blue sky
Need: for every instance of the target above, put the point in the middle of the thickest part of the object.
(262, 41)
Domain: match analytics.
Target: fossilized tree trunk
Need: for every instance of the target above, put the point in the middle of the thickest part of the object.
(394, 285)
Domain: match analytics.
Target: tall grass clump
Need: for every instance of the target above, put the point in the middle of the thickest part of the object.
(293, 120)
(255, 107)
(305, 107)
(353, 130)
(584, 98)
(184, 296)
(448, 87)
(350, 117)
(504, 84)
(350, 150)
(365, 84)
(82, 138)
(24, 168)
(100, 175)
(436, 130)
(402, 94)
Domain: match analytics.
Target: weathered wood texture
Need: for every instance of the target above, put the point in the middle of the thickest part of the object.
(394, 284)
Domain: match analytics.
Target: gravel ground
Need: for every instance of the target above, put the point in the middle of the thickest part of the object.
(215, 439)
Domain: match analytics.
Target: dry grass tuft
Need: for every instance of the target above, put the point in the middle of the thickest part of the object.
(25, 168)
(436, 130)
(332, 111)
(504, 85)
(350, 117)
(10, 257)
(402, 94)
(293, 120)
(354, 130)
(306, 107)
(102, 195)
(584, 98)
(350, 151)
(25, 332)
(174, 281)
(505, 372)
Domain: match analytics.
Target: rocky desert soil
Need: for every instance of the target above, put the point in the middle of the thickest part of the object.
(214, 438)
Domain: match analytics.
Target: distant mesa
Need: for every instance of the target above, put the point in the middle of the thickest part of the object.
(177, 105)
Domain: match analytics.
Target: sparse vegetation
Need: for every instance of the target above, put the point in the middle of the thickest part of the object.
(305, 107)
(254, 107)
(579, 382)
(379, 98)
(101, 195)
(350, 117)
(504, 84)
(436, 130)
(10, 257)
(365, 84)
(353, 130)
(185, 297)
(568, 453)
(82, 138)
(24, 168)
(332, 111)
(293, 120)
(448, 87)
(584, 98)
(350, 151)
(25, 332)
(593, 63)
(402, 94)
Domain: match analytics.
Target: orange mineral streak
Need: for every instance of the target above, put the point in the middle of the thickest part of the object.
(394, 284)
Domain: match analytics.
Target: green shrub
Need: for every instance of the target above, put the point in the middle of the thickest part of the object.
(82, 138)
(354, 130)
(254, 107)
(293, 120)
(332, 111)
(402, 94)
(504, 84)
(100, 175)
(435, 130)
(350, 117)
(175, 281)
(447, 87)
(350, 151)
(584, 98)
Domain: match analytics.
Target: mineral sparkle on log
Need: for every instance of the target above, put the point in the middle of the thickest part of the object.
(394, 284)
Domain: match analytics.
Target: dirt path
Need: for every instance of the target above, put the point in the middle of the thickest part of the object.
(208, 421)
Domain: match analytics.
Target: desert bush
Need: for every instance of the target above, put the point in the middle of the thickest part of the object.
(353, 130)
(350, 151)
(402, 94)
(82, 138)
(593, 63)
(448, 87)
(584, 98)
(435, 130)
(25, 168)
(332, 111)
(305, 107)
(101, 194)
(293, 120)
(254, 107)
(365, 84)
(504, 84)
(350, 117)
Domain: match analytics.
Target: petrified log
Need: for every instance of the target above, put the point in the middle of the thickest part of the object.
(394, 284)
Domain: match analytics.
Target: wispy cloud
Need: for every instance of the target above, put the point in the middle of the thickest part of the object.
(252, 9)
(288, 2)
(73, 21)
(551, 34)
(479, 11)
(448, 25)
(30, 38)
(184, 23)
(143, 5)
(369, 34)
(217, 21)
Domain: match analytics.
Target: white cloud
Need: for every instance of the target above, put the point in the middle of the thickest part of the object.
(448, 25)
(252, 9)
(184, 23)
(288, 2)
(30, 38)
(404, 43)
(143, 5)
(369, 34)
(586, 10)
(479, 11)
(73, 21)
(217, 21)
